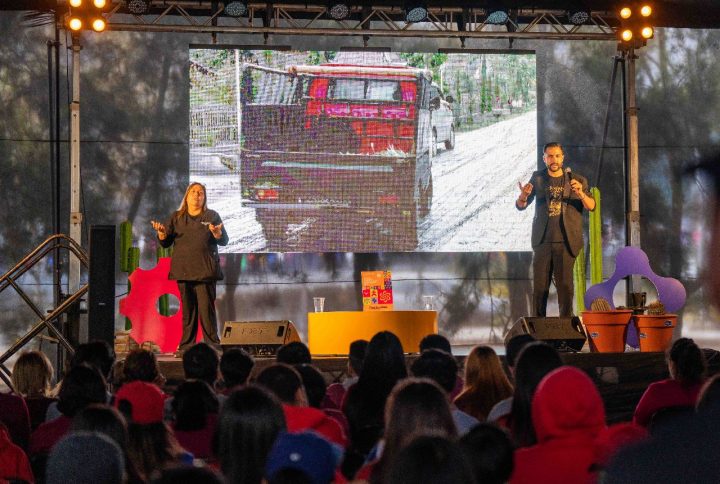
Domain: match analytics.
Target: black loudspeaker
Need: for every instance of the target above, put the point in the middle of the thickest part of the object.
(259, 338)
(564, 334)
(101, 282)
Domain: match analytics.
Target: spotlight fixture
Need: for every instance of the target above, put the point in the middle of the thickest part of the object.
(578, 16)
(635, 26)
(75, 24)
(236, 9)
(338, 10)
(625, 13)
(646, 10)
(497, 16)
(75, 3)
(626, 35)
(138, 7)
(647, 32)
(99, 24)
(99, 3)
(416, 12)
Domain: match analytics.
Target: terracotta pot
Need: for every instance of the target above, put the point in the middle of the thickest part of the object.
(606, 330)
(655, 331)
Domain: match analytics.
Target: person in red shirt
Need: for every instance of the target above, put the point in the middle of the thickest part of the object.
(14, 464)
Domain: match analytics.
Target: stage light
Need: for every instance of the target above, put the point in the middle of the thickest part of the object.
(75, 24)
(338, 10)
(236, 9)
(75, 3)
(98, 25)
(646, 10)
(625, 13)
(415, 12)
(578, 17)
(497, 17)
(647, 32)
(626, 35)
(138, 7)
(99, 3)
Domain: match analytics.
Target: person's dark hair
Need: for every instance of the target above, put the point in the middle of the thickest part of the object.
(236, 364)
(187, 474)
(689, 361)
(95, 353)
(193, 401)
(553, 144)
(314, 383)
(290, 475)
(437, 342)
(358, 349)
(140, 365)
(534, 362)
(200, 362)
(103, 419)
(82, 386)
(438, 366)
(152, 446)
(282, 380)
(293, 353)
(515, 346)
(431, 459)
(250, 421)
(489, 449)
(384, 365)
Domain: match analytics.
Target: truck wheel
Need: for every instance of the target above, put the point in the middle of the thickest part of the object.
(450, 142)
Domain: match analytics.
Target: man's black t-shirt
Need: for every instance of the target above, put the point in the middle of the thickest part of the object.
(555, 188)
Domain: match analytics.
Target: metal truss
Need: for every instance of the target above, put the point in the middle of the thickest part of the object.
(380, 21)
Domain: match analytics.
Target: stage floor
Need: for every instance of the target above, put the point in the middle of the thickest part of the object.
(621, 377)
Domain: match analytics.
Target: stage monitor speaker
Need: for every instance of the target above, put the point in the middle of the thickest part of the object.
(564, 334)
(259, 338)
(101, 282)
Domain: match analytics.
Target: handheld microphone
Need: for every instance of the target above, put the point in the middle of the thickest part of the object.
(568, 172)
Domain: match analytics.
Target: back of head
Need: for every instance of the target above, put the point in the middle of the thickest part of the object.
(436, 342)
(515, 346)
(102, 419)
(438, 366)
(567, 403)
(293, 353)
(384, 365)
(81, 387)
(140, 365)
(688, 360)
(95, 353)
(305, 452)
(358, 349)
(483, 368)
(141, 403)
(85, 458)
(489, 449)
(282, 380)
(250, 421)
(430, 460)
(193, 401)
(32, 374)
(200, 362)
(314, 384)
(236, 364)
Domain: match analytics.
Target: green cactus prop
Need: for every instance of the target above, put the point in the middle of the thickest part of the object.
(580, 281)
(133, 262)
(163, 302)
(596, 269)
(125, 243)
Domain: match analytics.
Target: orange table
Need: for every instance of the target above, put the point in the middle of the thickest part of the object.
(331, 333)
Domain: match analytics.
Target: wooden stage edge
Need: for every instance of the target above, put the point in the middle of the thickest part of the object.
(621, 378)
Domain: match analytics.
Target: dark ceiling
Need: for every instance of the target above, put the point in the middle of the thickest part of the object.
(667, 13)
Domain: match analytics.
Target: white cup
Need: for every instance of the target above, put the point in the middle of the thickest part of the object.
(319, 303)
(428, 303)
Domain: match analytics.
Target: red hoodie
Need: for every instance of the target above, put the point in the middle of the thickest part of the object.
(568, 415)
(14, 464)
(308, 418)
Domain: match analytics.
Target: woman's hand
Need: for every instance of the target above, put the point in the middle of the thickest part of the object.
(160, 229)
(216, 230)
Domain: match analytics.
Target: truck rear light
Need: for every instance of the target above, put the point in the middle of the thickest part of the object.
(391, 199)
(267, 194)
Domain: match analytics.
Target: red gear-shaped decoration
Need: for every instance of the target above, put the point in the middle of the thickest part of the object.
(140, 306)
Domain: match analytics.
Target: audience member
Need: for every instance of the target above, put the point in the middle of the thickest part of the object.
(440, 342)
(315, 389)
(568, 415)
(489, 449)
(335, 393)
(364, 403)
(236, 364)
(201, 362)
(32, 378)
(15, 417)
(416, 406)
(250, 421)
(686, 365)
(285, 382)
(86, 458)
(512, 350)
(142, 365)
(195, 409)
(485, 383)
(14, 464)
(442, 368)
(311, 457)
(534, 362)
(431, 460)
(293, 353)
(82, 386)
